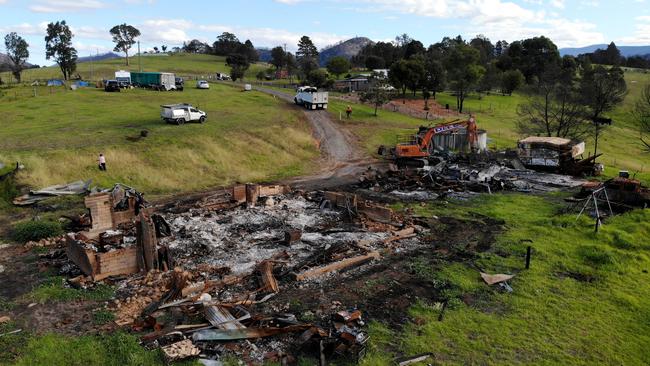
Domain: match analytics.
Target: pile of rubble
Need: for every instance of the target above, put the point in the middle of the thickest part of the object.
(47, 242)
(460, 176)
(205, 278)
(202, 282)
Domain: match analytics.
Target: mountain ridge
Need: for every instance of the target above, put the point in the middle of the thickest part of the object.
(626, 51)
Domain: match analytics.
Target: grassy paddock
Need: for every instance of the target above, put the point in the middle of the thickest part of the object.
(498, 115)
(582, 302)
(183, 64)
(248, 137)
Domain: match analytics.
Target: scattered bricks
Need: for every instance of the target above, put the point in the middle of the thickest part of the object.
(239, 193)
(99, 205)
(180, 350)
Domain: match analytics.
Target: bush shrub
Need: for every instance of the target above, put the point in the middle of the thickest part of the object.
(36, 230)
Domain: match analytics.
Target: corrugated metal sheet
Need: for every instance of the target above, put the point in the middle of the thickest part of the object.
(457, 141)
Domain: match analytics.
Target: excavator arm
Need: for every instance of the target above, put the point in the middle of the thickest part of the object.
(419, 148)
(470, 125)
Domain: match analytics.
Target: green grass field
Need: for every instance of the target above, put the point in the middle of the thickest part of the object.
(248, 137)
(498, 115)
(182, 64)
(584, 300)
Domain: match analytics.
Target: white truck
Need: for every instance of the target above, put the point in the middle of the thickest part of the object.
(181, 113)
(310, 98)
(123, 77)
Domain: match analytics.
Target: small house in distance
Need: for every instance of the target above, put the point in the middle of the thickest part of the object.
(353, 83)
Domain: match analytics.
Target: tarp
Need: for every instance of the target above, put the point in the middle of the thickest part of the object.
(55, 82)
(79, 187)
(81, 83)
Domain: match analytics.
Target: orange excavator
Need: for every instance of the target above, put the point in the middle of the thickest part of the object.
(417, 148)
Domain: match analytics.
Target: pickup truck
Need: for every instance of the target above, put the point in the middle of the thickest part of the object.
(310, 98)
(181, 113)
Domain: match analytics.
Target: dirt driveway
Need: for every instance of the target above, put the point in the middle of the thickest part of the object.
(341, 160)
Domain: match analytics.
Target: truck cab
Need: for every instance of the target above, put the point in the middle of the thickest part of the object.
(180, 83)
(181, 113)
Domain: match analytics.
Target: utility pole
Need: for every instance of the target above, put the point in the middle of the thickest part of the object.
(139, 57)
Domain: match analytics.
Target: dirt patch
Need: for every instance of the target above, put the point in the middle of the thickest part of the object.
(68, 318)
(415, 108)
(20, 271)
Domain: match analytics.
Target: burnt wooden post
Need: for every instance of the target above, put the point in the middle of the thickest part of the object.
(252, 194)
(147, 243)
(528, 250)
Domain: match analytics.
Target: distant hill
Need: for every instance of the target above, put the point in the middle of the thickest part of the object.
(5, 63)
(626, 51)
(265, 54)
(103, 56)
(346, 49)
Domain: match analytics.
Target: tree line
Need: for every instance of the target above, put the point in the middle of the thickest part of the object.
(612, 56)
(565, 96)
(303, 64)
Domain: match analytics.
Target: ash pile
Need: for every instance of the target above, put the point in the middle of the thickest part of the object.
(203, 281)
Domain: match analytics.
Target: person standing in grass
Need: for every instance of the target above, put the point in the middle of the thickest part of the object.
(102, 162)
(348, 111)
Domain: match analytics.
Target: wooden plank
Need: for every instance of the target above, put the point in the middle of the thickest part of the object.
(375, 212)
(119, 262)
(401, 234)
(84, 259)
(336, 266)
(269, 281)
(209, 285)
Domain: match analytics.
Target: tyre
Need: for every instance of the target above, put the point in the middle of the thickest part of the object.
(202, 119)
(180, 121)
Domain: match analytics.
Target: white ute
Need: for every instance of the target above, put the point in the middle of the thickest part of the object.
(310, 98)
(181, 113)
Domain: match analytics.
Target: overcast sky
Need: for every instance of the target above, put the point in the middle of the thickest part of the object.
(268, 23)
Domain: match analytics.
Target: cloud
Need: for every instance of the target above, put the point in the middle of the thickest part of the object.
(497, 19)
(641, 34)
(176, 31)
(64, 6)
(26, 29)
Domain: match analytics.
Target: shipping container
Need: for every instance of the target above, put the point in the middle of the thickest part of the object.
(156, 80)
